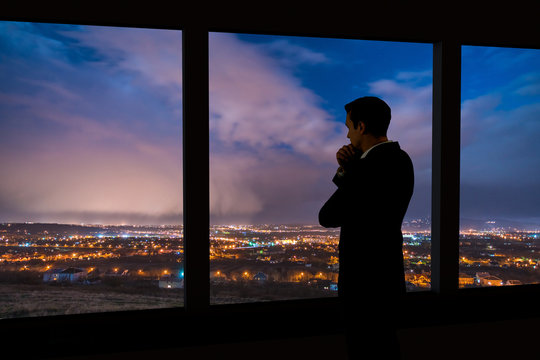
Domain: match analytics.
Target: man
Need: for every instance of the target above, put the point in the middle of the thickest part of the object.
(375, 183)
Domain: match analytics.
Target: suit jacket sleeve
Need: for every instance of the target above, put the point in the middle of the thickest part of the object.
(330, 214)
(362, 195)
(339, 209)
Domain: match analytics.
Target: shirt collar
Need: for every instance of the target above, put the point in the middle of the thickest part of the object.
(368, 150)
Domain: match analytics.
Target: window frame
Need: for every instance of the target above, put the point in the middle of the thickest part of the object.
(197, 318)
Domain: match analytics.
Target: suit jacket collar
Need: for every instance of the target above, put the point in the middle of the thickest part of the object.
(384, 146)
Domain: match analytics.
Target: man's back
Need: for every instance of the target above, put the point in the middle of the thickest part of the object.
(369, 206)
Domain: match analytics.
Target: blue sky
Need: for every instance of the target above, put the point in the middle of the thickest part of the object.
(90, 122)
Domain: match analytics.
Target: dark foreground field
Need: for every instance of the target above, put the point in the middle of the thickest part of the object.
(46, 300)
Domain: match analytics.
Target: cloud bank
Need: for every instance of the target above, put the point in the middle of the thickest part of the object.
(270, 138)
(90, 124)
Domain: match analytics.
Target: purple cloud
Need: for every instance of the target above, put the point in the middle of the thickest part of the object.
(256, 103)
(270, 136)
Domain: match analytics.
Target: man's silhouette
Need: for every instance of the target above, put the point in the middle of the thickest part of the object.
(375, 183)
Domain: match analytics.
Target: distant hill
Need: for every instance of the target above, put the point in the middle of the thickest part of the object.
(72, 229)
(60, 229)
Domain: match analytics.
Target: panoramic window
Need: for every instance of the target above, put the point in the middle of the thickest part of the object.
(500, 167)
(277, 119)
(91, 159)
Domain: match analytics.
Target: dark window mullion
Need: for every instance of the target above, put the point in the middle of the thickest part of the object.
(196, 168)
(446, 166)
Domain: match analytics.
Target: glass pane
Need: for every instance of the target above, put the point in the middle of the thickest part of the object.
(500, 167)
(90, 152)
(277, 119)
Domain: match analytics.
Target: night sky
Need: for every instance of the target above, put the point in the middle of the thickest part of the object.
(90, 127)
(500, 119)
(278, 118)
(91, 118)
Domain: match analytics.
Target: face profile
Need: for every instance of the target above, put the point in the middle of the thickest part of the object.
(355, 132)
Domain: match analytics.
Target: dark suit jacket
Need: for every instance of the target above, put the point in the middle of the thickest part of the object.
(369, 205)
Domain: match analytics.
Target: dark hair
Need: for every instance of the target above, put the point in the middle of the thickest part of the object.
(373, 112)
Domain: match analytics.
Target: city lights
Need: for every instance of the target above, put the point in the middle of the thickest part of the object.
(246, 259)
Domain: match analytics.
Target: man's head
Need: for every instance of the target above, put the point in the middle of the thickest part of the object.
(368, 119)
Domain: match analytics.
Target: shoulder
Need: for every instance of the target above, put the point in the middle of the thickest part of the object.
(391, 160)
(388, 151)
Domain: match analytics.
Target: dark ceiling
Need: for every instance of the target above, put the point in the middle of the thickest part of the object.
(491, 23)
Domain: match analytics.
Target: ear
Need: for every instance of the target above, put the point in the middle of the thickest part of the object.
(361, 127)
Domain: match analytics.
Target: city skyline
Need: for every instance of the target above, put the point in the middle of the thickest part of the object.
(91, 119)
(409, 226)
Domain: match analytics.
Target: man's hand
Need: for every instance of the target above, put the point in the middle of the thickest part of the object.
(345, 155)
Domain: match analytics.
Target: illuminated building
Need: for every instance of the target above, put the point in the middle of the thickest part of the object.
(491, 281)
(465, 280)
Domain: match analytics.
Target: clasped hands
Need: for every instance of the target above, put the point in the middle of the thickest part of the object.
(345, 156)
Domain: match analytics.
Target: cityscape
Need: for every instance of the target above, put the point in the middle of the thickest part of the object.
(71, 166)
(53, 269)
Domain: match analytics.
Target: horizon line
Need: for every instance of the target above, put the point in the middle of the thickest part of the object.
(461, 230)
